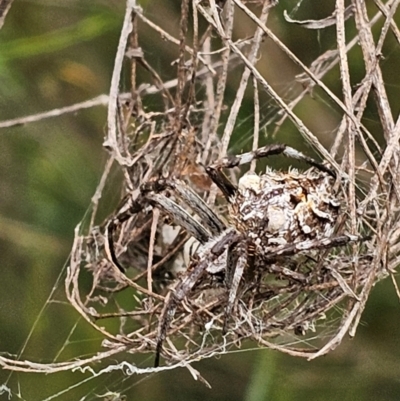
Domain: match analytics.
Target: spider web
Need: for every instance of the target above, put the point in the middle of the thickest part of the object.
(185, 125)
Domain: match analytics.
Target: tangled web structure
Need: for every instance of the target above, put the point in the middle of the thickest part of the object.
(206, 251)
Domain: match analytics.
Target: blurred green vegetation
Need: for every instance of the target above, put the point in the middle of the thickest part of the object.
(54, 54)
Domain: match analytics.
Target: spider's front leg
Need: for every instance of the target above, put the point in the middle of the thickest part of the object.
(214, 171)
(270, 150)
(209, 255)
(153, 194)
(210, 220)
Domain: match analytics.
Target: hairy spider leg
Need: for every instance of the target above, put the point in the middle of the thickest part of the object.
(132, 207)
(323, 243)
(237, 260)
(227, 188)
(175, 296)
(207, 216)
(180, 216)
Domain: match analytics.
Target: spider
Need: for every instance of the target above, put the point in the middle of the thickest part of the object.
(272, 215)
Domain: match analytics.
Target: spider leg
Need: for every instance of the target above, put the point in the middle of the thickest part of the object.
(207, 216)
(132, 207)
(269, 150)
(176, 295)
(180, 216)
(236, 263)
(324, 243)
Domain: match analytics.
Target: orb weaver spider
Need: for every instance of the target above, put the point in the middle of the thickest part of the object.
(272, 215)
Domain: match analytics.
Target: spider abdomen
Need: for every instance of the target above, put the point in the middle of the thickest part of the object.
(276, 208)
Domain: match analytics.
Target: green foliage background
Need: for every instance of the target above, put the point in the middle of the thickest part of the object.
(54, 54)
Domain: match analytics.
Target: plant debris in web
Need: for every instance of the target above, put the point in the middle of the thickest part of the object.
(285, 259)
(207, 249)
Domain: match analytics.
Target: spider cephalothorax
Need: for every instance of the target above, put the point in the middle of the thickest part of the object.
(274, 220)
